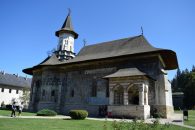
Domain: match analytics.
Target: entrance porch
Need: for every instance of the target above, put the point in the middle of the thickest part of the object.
(128, 94)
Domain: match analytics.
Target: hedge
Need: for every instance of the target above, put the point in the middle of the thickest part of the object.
(78, 114)
(46, 112)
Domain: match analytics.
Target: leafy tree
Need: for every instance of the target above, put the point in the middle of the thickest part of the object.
(25, 98)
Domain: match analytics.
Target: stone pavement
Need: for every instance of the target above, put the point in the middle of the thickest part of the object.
(176, 119)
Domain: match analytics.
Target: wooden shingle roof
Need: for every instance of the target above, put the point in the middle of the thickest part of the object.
(137, 45)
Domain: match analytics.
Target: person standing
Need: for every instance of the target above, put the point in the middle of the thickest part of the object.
(13, 114)
(20, 108)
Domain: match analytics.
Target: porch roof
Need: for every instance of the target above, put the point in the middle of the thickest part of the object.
(127, 72)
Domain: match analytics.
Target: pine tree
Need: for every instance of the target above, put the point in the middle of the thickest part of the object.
(193, 68)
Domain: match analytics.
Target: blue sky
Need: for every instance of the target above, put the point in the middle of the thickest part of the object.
(27, 27)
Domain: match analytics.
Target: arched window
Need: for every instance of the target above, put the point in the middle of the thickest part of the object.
(119, 95)
(133, 95)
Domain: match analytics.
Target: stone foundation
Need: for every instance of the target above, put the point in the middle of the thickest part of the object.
(142, 112)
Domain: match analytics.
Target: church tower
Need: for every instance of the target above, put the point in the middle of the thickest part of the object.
(65, 48)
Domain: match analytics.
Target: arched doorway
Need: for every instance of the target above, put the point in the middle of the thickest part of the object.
(133, 95)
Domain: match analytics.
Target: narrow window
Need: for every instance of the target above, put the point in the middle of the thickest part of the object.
(53, 93)
(17, 91)
(70, 48)
(72, 93)
(94, 89)
(107, 89)
(2, 89)
(10, 90)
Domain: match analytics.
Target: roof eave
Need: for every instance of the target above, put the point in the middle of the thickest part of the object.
(169, 57)
(57, 33)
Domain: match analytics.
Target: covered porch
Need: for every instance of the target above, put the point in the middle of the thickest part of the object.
(128, 90)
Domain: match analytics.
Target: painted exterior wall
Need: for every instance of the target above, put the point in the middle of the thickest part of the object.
(80, 81)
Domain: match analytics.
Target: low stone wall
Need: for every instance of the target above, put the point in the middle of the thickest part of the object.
(130, 111)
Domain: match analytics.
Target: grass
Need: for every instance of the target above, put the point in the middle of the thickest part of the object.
(8, 113)
(191, 117)
(59, 124)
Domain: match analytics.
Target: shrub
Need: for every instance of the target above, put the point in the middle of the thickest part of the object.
(78, 114)
(9, 107)
(46, 112)
(158, 115)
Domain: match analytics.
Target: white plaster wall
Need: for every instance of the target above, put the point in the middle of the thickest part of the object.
(168, 92)
(163, 91)
(7, 97)
(160, 90)
(63, 38)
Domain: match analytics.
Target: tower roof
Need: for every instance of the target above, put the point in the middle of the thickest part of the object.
(67, 27)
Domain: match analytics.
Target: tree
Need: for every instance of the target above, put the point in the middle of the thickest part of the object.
(193, 68)
(184, 81)
(25, 98)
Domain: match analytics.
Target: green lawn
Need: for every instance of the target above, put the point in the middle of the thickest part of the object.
(8, 113)
(59, 124)
(191, 118)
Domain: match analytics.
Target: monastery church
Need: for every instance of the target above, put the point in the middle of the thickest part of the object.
(122, 78)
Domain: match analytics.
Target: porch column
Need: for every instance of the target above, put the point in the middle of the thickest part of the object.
(111, 97)
(146, 94)
(141, 95)
(125, 97)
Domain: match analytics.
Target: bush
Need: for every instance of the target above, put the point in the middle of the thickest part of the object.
(78, 114)
(46, 112)
(158, 115)
(8, 107)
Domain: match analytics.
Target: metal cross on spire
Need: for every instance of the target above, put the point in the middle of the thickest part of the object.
(142, 32)
(69, 11)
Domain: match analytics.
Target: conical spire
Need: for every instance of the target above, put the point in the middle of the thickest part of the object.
(67, 27)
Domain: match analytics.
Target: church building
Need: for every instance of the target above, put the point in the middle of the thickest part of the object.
(122, 78)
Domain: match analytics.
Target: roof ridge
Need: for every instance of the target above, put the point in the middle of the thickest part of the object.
(100, 43)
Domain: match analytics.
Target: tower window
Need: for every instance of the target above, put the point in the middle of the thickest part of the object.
(70, 48)
(17, 91)
(66, 42)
